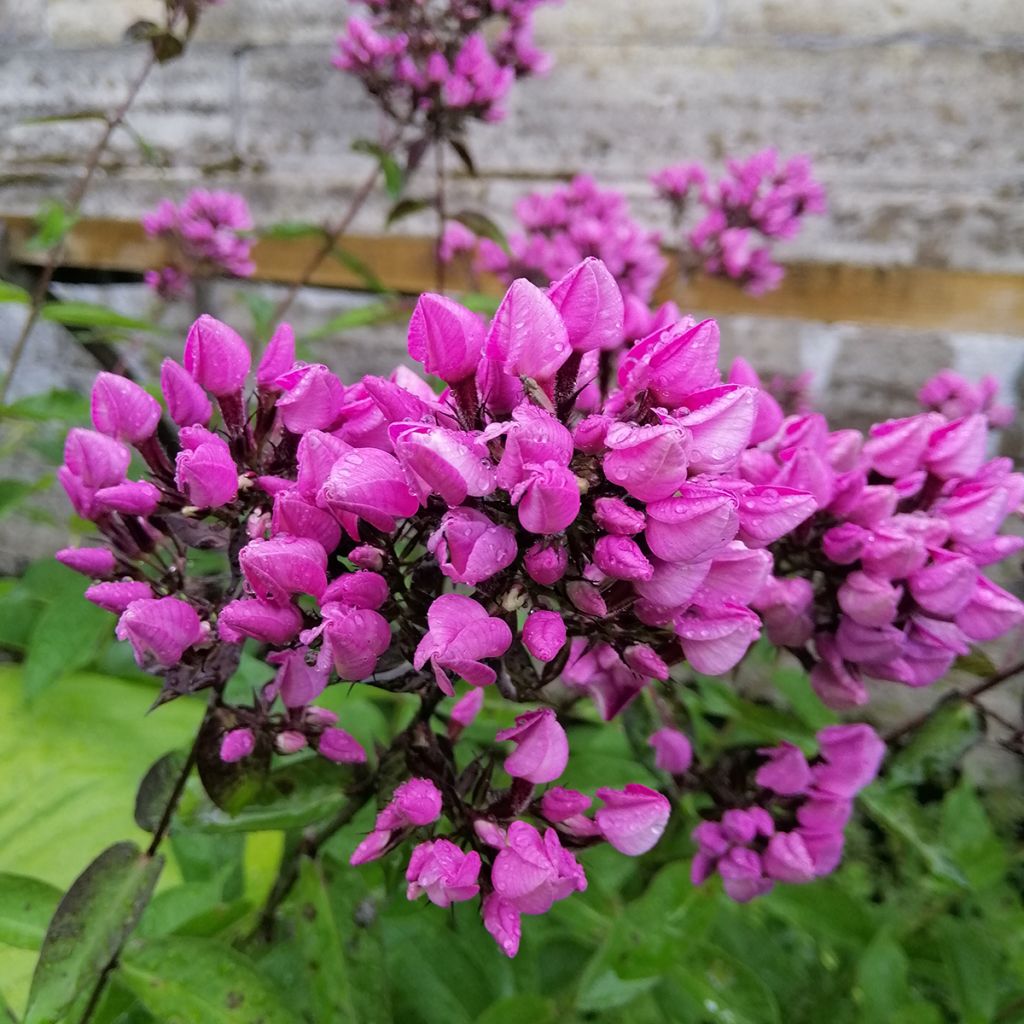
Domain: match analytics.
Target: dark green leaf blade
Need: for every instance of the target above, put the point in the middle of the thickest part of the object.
(185, 980)
(156, 788)
(26, 907)
(394, 179)
(92, 921)
(90, 314)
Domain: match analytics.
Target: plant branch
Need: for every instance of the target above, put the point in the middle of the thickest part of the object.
(333, 235)
(74, 203)
(970, 696)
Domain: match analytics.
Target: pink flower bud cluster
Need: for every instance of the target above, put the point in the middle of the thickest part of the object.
(561, 228)
(516, 866)
(885, 579)
(441, 64)
(794, 833)
(565, 520)
(756, 201)
(207, 234)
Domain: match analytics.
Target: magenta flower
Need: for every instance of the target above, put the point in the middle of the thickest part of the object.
(297, 516)
(278, 569)
(502, 921)
(237, 744)
(217, 357)
(527, 336)
(187, 403)
(673, 364)
(633, 819)
(590, 304)
(442, 871)
(95, 459)
(460, 634)
(278, 359)
(786, 771)
(115, 596)
(337, 745)
(470, 548)
(544, 634)
(313, 398)
(354, 638)
(616, 516)
(672, 751)
(852, 753)
(131, 498)
(160, 629)
(369, 484)
(297, 682)
(548, 498)
(715, 640)
(870, 601)
(546, 562)
(542, 748)
(205, 470)
(88, 561)
(466, 708)
(531, 873)
(622, 558)
(446, 338)
(268, 623)
(648, 462)
(416, 802)
(122, 410)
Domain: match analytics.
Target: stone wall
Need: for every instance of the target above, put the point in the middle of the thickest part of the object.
(912, 110)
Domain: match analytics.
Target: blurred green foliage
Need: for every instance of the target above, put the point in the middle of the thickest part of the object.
(922, 925)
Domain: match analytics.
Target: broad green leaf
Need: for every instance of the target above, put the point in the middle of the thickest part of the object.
(65, 637)
(14, 492)
(26, 906)
(897, 814)
(156, 789)
(519, 1009)
(394, 179)
(970, 838)
(80, 753)
(292, 796)
(795, 685)
(338, 988)
(14, 293)
(230, 785)
(973, 961)
(93, 919)
(193, 908)
(184, 980)
(88, 314)
(726, 990)
(881, 979)
(977, 662)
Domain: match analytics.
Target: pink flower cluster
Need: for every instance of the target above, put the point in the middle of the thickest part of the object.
(565, 520)
(756, 201)
(885, 579)
(492, 850)
(441, 64)
(207, 234)
(560, 229)
(794, 833)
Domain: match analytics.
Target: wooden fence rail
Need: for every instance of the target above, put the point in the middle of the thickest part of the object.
(910, 297)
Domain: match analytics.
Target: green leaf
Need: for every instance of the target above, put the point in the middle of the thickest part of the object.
(193, 908)
(18, 613)
(973, 963)
(970, 838)
(328, 943)
(394, 179)
(358, 267)
(156, 789)
(77, 115)
(795, 685)
(26, 906)
(895, 811)
(482, 226)
(92, 921)
(462, 152)
(65, 637)
(79, 753)
(936, 748)
(977, 663)
(881, 979)
(52, 223)
(406, 208)
(361, 316)
(13, 293)
(13, 492)
(88, 314)
(71, 407)
(229, 785)
(185, 980)
(289, 229)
